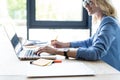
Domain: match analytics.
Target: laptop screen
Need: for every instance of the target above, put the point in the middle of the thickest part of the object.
(16, 44)
(14, 40)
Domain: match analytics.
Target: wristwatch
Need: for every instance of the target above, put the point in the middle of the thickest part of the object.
(65, 53)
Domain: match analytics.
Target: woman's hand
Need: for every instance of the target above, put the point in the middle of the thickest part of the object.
(52, 50)
(58, 44)
(47, 49)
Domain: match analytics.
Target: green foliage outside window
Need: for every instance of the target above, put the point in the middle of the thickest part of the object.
(17, 9)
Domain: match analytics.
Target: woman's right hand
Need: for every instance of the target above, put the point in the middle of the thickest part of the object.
(58, 44)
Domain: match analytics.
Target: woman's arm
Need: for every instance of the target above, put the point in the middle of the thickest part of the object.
(101, 43)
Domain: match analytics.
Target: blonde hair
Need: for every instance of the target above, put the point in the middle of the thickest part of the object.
(106, 7)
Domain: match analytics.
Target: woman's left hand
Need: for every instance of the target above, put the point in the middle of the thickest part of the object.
(47, 49)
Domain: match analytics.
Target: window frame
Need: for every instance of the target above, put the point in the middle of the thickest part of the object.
(32, 23)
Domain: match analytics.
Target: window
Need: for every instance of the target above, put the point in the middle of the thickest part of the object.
(116, 5)
(58, 10)
(56, 14)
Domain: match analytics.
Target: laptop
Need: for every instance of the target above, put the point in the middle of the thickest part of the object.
(23, 53)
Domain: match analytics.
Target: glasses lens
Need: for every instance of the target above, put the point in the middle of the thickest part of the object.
(86, 2)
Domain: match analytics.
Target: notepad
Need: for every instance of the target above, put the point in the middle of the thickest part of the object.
(42, 62)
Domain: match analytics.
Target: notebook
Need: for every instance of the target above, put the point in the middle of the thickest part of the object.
(64, 69)
(21, 52)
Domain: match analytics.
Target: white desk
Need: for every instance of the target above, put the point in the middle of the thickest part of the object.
(13, 69)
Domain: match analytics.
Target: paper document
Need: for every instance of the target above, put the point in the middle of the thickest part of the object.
(33, 42)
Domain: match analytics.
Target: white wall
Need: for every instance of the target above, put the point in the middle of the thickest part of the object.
(116, 4)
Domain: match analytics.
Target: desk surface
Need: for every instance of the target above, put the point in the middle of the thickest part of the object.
(13, 69)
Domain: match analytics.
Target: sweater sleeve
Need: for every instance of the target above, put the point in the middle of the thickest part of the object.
(101, 43)
(85, 43)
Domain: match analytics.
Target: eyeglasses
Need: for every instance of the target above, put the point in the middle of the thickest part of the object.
(87, 2)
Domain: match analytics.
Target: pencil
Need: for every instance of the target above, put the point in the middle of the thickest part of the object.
(56, 38)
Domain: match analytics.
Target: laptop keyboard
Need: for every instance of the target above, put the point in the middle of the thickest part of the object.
(30, 53)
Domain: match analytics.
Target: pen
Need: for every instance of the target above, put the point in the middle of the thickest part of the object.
(31, 62)
(57, 61)
(56, 38)
(54, 61)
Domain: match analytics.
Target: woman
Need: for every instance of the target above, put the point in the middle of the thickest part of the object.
(103, 45)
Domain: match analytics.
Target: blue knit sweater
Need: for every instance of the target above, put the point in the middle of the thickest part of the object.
(103, 45)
